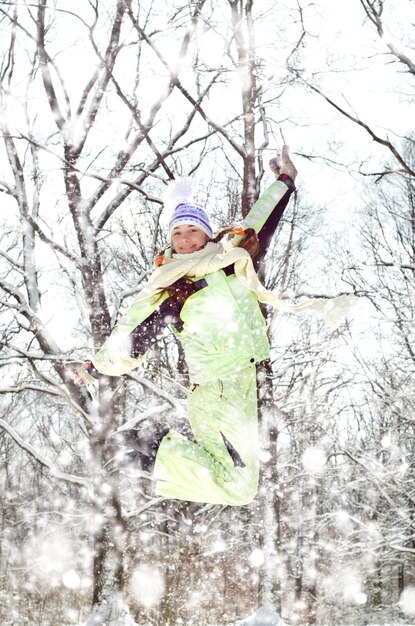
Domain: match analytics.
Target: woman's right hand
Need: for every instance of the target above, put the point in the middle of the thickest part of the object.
(80, 374)
(76, 377)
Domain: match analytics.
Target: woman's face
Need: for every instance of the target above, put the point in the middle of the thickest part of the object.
(187, 238)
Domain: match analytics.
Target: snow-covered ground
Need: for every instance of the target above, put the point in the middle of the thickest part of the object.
(262, 617)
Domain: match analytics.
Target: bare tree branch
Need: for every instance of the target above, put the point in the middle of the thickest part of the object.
(175, 81)
(384, 142)
(40, 458)
(402, 266)
(245, 46)
(29, 387)
(108, 64)
(60, 118)
(374, 12)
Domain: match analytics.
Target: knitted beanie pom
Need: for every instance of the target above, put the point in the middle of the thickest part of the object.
(179, 191)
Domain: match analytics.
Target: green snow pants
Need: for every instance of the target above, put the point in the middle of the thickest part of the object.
(220, 413)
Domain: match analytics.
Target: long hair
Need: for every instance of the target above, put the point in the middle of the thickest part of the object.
(183, 288)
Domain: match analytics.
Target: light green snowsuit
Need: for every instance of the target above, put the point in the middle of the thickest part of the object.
(223, 336)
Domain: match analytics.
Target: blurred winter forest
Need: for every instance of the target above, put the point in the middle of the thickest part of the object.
(101, 104)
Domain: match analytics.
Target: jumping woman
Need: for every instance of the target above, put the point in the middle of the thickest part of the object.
(206, 290)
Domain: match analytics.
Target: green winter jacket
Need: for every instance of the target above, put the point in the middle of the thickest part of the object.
(224, 330)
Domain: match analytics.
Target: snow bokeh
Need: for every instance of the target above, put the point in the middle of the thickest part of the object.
(257, 557)
(146, 585)
(314, 459)
(71, 579)
(407, 601)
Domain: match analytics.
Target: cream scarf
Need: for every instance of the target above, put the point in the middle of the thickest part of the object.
(215, 256)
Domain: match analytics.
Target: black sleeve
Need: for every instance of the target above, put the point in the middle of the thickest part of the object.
(266, 233)
(151, 328)
(147, 333)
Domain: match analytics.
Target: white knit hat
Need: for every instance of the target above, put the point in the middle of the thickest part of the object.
(193, 214)
(179, 198)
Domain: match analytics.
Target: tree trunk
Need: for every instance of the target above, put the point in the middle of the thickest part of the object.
(269, 591)
(108, 524)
